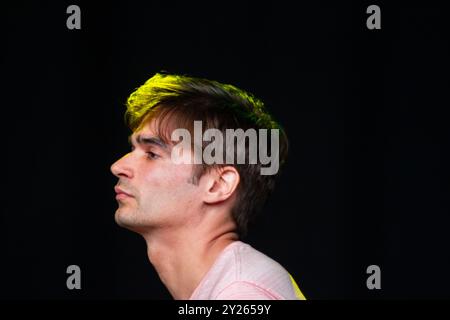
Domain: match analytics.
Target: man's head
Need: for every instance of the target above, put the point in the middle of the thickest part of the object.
(164, 193)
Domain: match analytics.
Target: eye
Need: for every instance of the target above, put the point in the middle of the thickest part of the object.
(152, 155)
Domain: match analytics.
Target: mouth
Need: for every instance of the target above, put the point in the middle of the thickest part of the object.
(121, 194)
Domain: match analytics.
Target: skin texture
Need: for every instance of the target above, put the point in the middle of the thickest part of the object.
(185, 225)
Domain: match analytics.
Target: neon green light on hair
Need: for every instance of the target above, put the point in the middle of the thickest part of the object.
(163, 87)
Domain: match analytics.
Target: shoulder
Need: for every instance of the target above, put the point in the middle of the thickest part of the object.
(244, 290)
(254, 266)
(243, 273)
(257, 276)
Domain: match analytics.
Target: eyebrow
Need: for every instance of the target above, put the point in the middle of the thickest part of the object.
(147, 140)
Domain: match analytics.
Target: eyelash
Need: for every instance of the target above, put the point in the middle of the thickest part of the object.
(152, 155)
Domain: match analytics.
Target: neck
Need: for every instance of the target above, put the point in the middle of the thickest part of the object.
(182, 255)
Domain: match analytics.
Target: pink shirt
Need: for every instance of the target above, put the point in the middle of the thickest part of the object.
(241, 272)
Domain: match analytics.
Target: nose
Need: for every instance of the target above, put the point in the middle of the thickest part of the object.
(122, 168)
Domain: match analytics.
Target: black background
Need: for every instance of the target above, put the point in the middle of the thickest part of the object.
(367, 181)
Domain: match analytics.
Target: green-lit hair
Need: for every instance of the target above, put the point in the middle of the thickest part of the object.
(183, 100)
(166, 87)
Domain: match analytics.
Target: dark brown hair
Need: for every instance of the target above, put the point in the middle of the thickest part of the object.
(176, 101)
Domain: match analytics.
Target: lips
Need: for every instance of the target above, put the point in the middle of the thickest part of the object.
(121, 193)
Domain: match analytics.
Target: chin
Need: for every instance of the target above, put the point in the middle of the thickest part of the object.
(128, 221)
(123, 218)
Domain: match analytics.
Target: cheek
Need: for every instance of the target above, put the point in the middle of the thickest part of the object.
(168, 188)
(167, 177)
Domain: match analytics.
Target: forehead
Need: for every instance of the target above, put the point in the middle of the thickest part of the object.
(147, 128)
(148, 135)
(157, 127)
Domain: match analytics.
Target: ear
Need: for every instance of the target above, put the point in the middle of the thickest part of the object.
(220, 184)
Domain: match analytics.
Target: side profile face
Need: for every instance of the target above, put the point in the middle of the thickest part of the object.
(152, 191)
